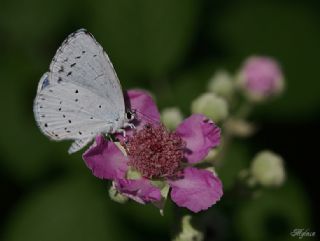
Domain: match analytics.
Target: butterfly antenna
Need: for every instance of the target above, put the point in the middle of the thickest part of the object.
(147, 117)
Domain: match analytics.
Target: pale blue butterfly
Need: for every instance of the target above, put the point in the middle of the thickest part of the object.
(80, 96)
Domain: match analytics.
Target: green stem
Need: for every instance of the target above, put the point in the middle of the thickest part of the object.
(242, 113)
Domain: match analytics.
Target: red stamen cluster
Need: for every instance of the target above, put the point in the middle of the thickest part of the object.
(154, 151)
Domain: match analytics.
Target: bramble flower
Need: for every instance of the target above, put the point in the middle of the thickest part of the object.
(155, 159)
(261, 77)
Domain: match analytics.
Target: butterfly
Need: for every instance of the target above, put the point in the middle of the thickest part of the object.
(80, 96)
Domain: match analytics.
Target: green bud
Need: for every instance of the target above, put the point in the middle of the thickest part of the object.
(222, 84)
(211, 155)
(171, 117)
(116, 196)
(239, 127)
(188, 233)
(211, 105)
(267, 169)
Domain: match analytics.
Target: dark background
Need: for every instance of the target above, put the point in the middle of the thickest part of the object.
(171, 48)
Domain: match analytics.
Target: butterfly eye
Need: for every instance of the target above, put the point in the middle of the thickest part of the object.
(129, 115)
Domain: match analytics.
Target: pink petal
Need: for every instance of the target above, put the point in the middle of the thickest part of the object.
(200, 135)
(139, 190)
(105, 159)
(197, 190)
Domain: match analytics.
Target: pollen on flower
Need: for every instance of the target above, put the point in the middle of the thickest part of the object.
(154, 151)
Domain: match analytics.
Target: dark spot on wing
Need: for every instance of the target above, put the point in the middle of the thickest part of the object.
(91, 118)
(94, 55)
(45, 125)
(76, 100)
(69, 73)
(83, 52)
(64, 116)
(50, 91)
(60, 109)
(59, 79)
(68, 131)
(78, 57)
(69, 121)
(60, 102)
(56, 135)
(99, 106)
(61, 69)
(71, 65)
(77, 91)
(80, 133)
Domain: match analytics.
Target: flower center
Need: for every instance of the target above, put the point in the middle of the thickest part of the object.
(154, 151)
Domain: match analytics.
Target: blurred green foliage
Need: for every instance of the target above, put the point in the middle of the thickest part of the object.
(170, 48)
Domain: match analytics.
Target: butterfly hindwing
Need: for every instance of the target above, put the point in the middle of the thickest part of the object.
(67, 111)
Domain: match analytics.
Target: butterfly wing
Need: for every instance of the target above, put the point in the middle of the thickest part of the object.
(81, 95)
(82, 61)
(68, 112)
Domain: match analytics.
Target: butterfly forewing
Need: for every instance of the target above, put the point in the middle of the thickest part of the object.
(82, 61)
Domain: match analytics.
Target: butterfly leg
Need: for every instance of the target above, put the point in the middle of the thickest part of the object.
(123, 131)
(132, 126)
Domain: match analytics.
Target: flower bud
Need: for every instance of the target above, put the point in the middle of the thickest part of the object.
(221, 84)
(188, 233)
(211, 105)
(239, 127)
(171, 117)
(212, 154)
(267, 168)
(260, 78)
(116, 196)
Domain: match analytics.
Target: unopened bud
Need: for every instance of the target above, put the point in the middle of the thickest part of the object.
(260, 78)
(267, 168)
(211, 105)
(171, 117)
(221, 84)
(188, 233)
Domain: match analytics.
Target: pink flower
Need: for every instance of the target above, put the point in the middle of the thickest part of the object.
(261, 77)
(158, 154)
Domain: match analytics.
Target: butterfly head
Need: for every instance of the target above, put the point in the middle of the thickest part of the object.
(130, 116)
